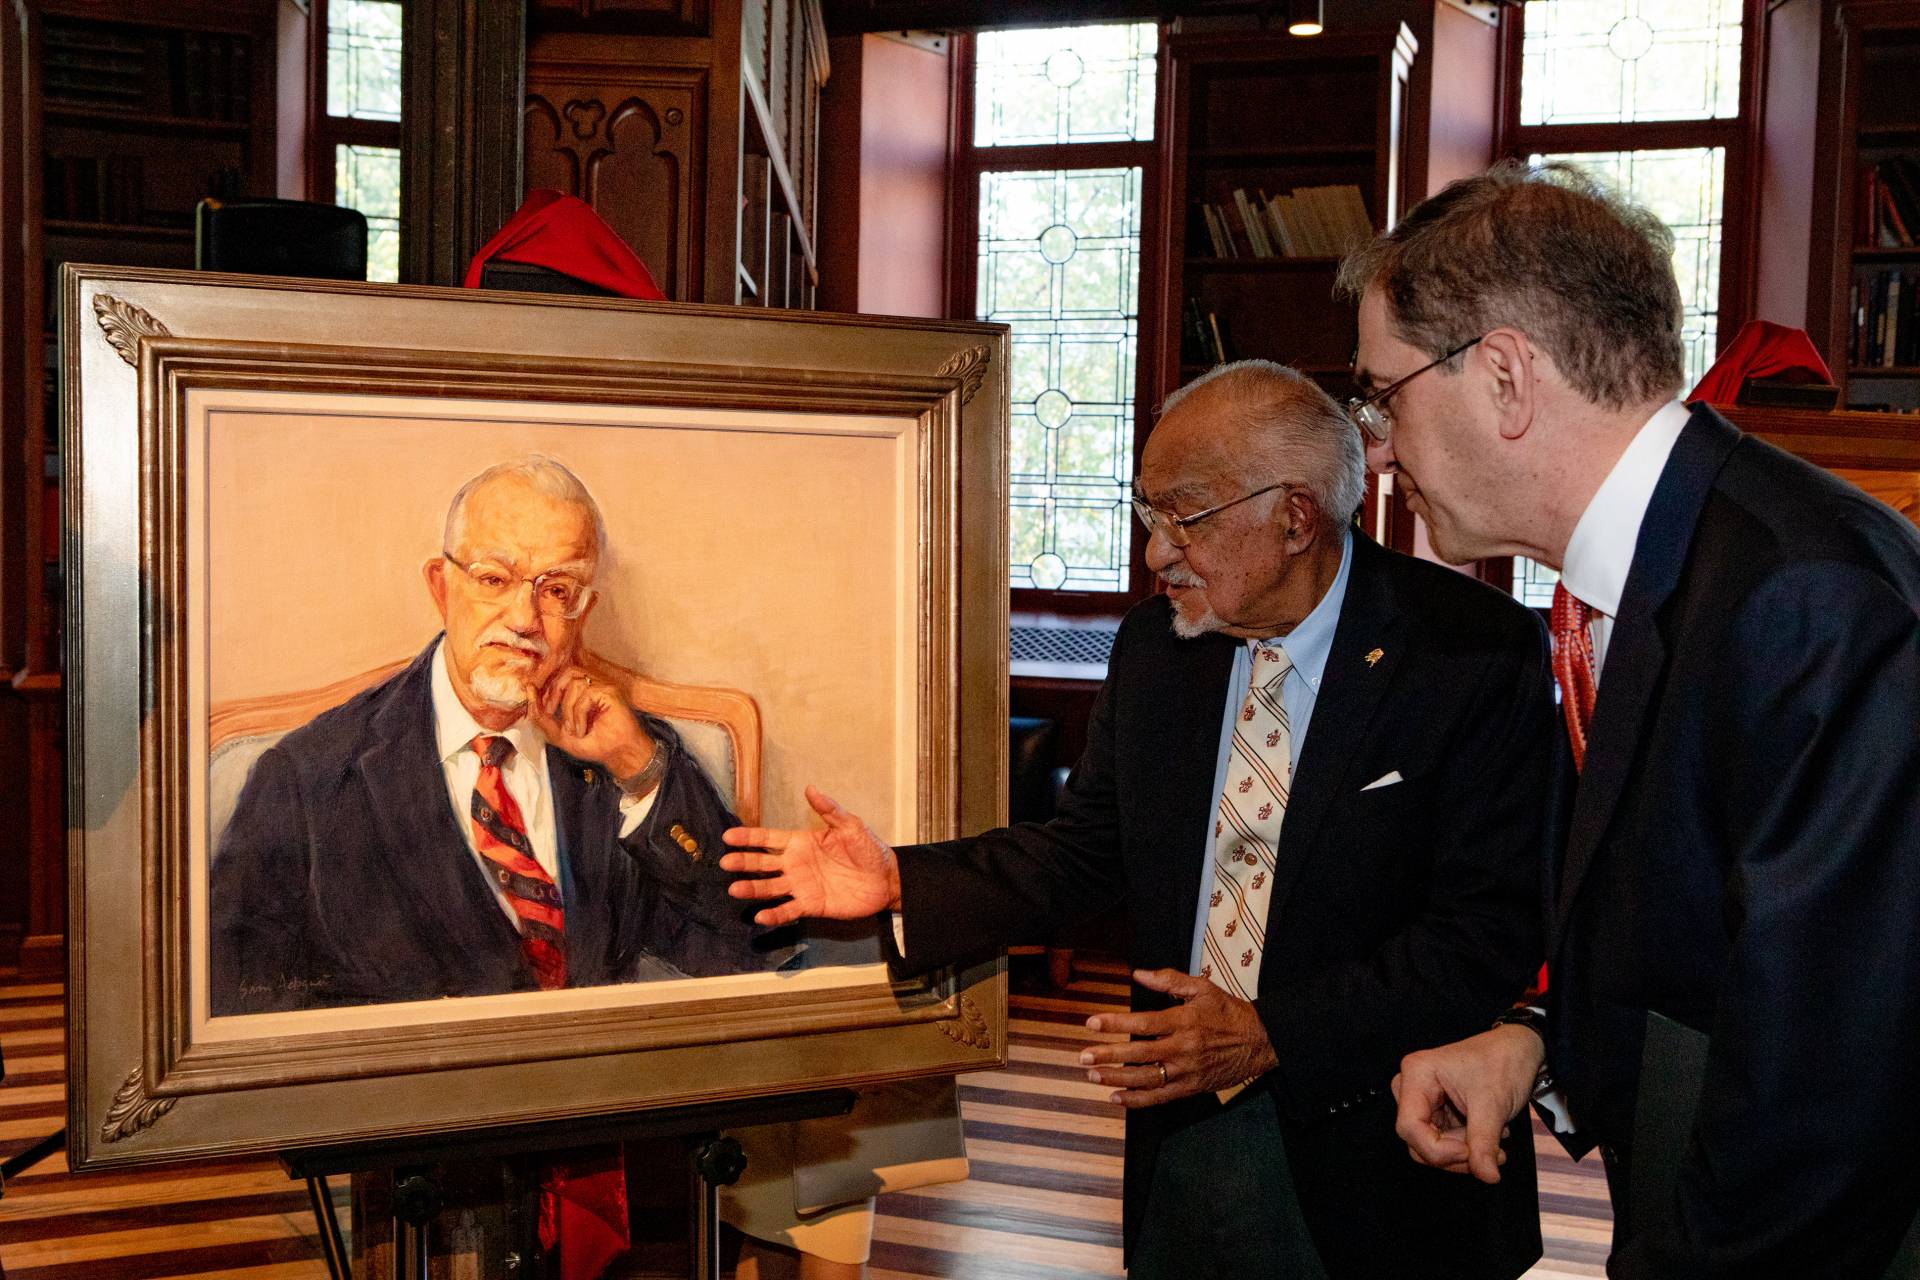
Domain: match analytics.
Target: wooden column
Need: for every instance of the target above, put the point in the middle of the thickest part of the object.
(462, 85)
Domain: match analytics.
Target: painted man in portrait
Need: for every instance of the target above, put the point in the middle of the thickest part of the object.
(491, 818)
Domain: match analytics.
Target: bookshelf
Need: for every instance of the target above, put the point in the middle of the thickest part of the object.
(1270, 113)
(1873, 321)
(128, 114)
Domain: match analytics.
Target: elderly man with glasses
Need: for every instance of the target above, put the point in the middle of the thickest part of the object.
(490, 819)
(1314, 777)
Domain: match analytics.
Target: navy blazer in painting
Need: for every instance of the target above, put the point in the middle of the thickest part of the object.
(344, 876)
(1743, 857)
(1403, 915)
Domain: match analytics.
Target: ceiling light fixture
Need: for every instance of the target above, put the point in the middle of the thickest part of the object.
(1305, 17)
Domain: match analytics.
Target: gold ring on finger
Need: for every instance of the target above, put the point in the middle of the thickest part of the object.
(1163, 1073)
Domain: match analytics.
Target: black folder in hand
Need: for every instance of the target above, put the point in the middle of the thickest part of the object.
(1673, 1072)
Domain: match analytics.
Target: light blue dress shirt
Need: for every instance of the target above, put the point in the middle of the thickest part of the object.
(1307, 646)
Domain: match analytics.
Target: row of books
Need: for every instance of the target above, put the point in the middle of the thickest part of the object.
(1204, 338)
(1309, 222)
(1885, 306)
(208, 75)
(93, 188)
(1887, 213)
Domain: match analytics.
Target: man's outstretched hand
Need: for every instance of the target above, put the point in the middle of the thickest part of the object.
(842, 872)
(1456, 1100)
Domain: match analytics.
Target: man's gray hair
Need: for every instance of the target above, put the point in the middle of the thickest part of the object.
(1294, 429)
(1549, 250)
(545, 475)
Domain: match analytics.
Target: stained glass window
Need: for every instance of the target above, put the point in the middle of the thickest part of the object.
(1683, 188)
(1610, 61)
(368, 179)
(1065, 84)
(1059, 261)
(363, 59)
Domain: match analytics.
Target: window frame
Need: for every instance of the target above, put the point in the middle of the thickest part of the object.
(1739, 135)
(969, 163)
(326, 133)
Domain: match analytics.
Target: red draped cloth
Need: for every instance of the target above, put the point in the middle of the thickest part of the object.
(564, 234)
(1762, 349)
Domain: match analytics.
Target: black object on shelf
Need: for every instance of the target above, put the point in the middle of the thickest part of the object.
(1818, 396)
(528, 278)
(262, 236)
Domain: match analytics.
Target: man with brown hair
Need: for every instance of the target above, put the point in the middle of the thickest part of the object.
(1735, 883)
(1314, 775)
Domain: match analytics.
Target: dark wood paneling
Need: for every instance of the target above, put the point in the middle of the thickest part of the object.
(461, 82)
(662, 17)
(628, 139)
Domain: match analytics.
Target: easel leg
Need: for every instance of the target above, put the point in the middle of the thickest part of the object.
(332, 1245)
(416, 1199)
(715, 1161)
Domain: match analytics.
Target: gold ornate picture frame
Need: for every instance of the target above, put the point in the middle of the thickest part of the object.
(808, 517)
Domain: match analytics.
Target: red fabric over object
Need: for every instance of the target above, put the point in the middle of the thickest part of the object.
(564, 234)
(583, 1211)
(1762, 349)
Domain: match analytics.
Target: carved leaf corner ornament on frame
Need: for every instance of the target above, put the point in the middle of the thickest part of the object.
(132, 1110)
(124, 324)
(970, 1027)
(970, 366)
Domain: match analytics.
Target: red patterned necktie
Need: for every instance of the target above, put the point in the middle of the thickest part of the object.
(1573, 667)
(500, 834)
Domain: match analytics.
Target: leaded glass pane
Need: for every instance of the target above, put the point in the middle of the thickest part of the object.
(1612, 61)
(1065, 84)
(1533, 582)
(1060, 262)
(368, 179)
(363, 59)
(1683, 188)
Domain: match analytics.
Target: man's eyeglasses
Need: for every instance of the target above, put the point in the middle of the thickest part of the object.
(1174, 528)
(555, 595)
(1370, 414)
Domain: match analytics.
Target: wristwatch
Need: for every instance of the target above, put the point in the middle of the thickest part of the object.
(1534, 1020)
(649, 776)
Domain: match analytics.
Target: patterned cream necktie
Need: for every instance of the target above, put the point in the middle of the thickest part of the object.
(1246, 829)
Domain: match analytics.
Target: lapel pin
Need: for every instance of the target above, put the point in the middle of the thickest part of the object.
(1375, 656)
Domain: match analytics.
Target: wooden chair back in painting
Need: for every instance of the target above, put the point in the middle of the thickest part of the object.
(720, 727)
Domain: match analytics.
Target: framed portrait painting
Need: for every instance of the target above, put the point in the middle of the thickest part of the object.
(421, 644)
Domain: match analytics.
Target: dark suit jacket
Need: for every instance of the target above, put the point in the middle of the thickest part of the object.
(1744, 857)
(344, 876)
(1402, 917)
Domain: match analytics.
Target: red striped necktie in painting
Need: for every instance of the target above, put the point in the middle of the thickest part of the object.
(1573, 667)
(500, 834)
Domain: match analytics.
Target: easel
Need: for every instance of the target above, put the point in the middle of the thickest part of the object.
(713, 1161)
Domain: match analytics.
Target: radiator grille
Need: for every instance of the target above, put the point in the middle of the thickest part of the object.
(1061, 644)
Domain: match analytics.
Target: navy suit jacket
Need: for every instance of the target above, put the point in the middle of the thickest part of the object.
(1402, 916)
(344, 876)
(1742, 854)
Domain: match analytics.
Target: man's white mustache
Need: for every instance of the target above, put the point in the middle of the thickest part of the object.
(535, 645)
(1181, 576)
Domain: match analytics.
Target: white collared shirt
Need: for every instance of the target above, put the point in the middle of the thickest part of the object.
(1600, 552)
(524, 773)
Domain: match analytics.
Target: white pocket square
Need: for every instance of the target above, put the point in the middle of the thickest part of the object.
(1384, 780)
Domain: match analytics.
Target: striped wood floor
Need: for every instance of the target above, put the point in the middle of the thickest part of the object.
(1043, 1202)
